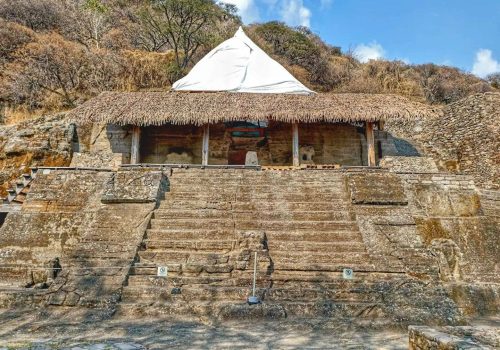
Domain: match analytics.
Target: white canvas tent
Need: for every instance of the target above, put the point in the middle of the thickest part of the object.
(239, 65)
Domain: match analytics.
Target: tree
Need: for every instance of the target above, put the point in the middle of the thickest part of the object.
(51, 64)
(183, 26)
(34, 14)
(494, 80)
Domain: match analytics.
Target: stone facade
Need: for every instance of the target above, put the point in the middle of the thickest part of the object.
(46, 141)
(465, 139)
(68, 217)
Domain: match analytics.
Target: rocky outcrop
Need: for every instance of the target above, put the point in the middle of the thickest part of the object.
(465, 139)
(45, 141)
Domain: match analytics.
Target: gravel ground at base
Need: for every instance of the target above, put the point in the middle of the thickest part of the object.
(70, 330)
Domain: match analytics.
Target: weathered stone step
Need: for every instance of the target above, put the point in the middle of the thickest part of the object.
(256, 196)
(190, 234)
(184, 224)
(191, 294)
(273, 215)
(97, 254)
(352, 246)
(313, 236)
(283, 189)
(182, 257)
(364, 266)
(86, 247)
(144, 281)
(292, 206)
(282, 257)
(330, 225)
(194, 245)
(241, 204)
(332, 309)
(314, 294)
(281, 277)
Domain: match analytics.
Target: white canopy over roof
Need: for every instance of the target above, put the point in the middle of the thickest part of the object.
(239, 65)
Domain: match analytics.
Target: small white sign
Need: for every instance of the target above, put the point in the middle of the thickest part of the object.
(46, 171)
(348, 274)
(162, 271)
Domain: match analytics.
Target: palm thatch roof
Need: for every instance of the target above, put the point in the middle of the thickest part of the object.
(155, 108)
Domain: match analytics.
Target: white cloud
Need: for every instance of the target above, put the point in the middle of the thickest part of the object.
(373, 51)
(246, 9)
(294, 13)
(485, 64)
(326, 3)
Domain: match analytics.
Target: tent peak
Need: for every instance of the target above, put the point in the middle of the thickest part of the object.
(239, 65)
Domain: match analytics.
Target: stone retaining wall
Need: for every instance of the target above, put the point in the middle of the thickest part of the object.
(466, 138)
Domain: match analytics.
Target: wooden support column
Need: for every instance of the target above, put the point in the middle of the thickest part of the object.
(204, 152)
(295, 144)
(370, 142)
(136, 141)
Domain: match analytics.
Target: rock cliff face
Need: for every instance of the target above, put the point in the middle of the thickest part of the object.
(465, 139)
(46, 141)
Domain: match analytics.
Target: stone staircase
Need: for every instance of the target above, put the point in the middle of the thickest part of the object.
(17, 193)
(299, 222)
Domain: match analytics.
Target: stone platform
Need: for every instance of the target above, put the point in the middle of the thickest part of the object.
(421, 246)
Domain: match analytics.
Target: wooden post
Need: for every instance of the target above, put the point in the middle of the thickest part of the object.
(136, 141)
(204, 151)
(370, 142)
(295, 144)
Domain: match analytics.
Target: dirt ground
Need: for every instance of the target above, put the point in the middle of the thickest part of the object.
(67, 329)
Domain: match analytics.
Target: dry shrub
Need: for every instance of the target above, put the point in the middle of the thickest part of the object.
(146, 70)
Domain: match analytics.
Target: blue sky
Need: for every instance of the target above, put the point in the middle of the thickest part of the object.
(461, 33)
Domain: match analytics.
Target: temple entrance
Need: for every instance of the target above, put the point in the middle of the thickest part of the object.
(246, 141)
(254, 143)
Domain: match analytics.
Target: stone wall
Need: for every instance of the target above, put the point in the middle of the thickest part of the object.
(453, 338)
(106, 146)
(90, 222)
(45, 141)
(465, 139)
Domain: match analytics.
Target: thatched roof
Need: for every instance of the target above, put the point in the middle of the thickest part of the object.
(155, 108)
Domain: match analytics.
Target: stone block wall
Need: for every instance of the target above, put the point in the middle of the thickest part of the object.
(45, 141)
(453, 338)
(91, 222)
(465, 139)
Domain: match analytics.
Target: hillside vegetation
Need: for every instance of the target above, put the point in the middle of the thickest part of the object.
(54, 54)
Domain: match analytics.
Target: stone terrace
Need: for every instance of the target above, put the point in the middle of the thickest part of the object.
(420, 244)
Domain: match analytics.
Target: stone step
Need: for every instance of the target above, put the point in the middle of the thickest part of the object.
(281, 277)
(262, 215)
(314, 257)
(293, 206)
(259, 206)
(364, 266)
(313, 294)
(163, 258)
(90, 253)
(313, 236)
(194, 293)
(189, 235)
(332, 309)
(178, 224)
(272, 196)
(256, 191)
(179, 280)
(295, 247)
(193, 245)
